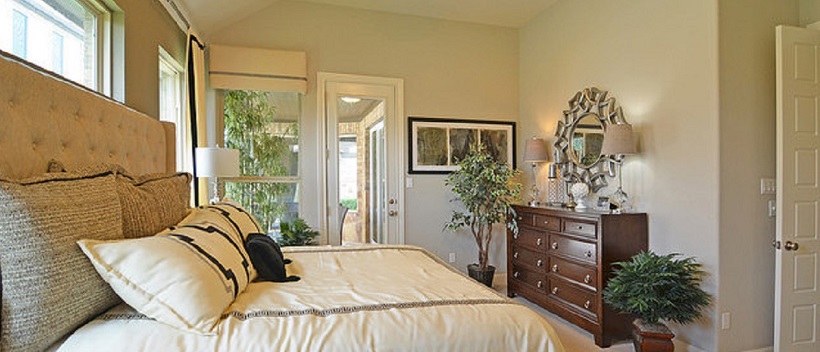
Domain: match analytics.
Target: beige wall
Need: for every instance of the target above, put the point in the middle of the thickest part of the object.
(809, 12)
(659, 60)
(450, 69)
(147, 26)
(747, 149)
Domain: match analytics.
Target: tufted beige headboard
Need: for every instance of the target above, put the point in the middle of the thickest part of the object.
(44, 117)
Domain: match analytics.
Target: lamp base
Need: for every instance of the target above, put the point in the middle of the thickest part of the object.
(215, 199)
(619, 198)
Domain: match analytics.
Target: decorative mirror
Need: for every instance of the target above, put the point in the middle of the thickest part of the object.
(580, 135)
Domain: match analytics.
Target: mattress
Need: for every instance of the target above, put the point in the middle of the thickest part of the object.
(360, 298)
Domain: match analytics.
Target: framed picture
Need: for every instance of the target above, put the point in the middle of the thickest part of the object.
(437, 145)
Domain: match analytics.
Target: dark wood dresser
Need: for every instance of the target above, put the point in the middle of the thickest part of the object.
(561, 260)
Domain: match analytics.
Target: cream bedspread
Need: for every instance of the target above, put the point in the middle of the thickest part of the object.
(369, 298)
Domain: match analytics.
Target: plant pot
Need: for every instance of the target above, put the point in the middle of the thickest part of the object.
(483, 276)
(652, 337)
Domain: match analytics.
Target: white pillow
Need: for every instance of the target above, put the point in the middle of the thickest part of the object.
(185, 276)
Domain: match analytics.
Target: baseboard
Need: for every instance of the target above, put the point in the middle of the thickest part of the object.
(766, 349)
(685, 347)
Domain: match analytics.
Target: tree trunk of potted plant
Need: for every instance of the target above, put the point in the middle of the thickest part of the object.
(482, 272)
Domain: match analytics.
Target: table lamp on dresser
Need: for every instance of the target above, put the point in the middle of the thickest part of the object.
(535, 152)
(619, 140)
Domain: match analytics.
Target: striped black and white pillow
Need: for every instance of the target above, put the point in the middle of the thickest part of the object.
(184, 276)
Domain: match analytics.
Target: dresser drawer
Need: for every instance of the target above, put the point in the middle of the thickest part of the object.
(583, 251)
(580, 228)
(531, 239)
(549, 223)
(582, 299)
(536, 261)
(536, 280)
(581, 274)
(526, 219)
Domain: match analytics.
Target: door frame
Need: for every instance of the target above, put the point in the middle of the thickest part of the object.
(394, 140)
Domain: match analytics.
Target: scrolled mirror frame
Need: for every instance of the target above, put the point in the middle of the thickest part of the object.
(588, 101)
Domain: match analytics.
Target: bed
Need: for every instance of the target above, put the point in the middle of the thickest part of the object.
(57, 296)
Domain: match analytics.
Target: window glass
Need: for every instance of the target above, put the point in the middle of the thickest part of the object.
(171, 106)
(59, 35)
(264, 127)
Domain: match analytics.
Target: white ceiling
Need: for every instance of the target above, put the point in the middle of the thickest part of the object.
(210, 16)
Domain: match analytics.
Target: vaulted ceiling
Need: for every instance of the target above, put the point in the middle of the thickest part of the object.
(210, 16)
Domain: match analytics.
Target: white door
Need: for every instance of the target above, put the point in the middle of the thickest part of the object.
(797, 295)
(364, 114)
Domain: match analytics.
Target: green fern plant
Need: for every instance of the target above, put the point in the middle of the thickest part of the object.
(658, 287)
(297, 233)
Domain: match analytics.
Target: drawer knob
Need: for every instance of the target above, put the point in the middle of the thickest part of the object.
(539, 242)
(546, 222)
(516, 274)
(520, 218)
(555, 245)
(515, 255)
(539, 263)
(588, 254)
(586, 304)
(580, 227)
(587, 278)
(540, 284)
(555, 290)
(555, 268)
(515, 236)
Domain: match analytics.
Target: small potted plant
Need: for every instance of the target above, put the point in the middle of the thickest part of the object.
(654, 288)
(297, 233)
(483, 185)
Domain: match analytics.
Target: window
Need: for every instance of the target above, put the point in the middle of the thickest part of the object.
(64, 36)
(170, 106)
(264, 127)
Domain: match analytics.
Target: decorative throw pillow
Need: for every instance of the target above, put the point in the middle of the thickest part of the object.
(41, 220)
(184, 276)
(241, 220)
(153, 202)
(267, 258)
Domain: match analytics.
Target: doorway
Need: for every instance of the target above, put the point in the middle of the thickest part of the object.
(364, 152)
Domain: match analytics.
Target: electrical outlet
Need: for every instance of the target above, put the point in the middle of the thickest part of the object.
(725, 320)
(768, 186)
(452, 258)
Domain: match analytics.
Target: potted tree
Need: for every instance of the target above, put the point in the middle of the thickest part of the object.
(654, 288)
(483, 185)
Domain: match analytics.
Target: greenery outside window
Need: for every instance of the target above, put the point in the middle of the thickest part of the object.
(264, 127)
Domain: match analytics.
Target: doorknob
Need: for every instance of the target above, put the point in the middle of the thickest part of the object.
(392, 201)
(392, 212)
(791, 246)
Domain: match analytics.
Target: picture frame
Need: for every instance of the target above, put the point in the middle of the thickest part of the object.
(436, 144)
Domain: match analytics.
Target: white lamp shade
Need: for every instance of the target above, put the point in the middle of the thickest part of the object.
(535, 151)
(217, 162)
(618, 139)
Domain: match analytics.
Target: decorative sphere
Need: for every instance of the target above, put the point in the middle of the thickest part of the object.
(579, 190)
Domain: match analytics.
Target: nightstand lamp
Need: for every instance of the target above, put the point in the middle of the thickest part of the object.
(619, 140)
(215, 162)
(535, 152)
